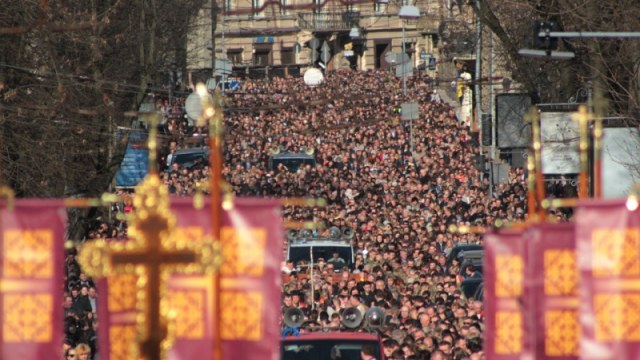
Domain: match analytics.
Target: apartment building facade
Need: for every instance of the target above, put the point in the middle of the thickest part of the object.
(257, 37)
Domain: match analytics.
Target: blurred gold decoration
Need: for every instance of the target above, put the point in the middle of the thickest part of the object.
(466, 229)
(583, 116)
(151, 256)
(632, 200)
(508, 339)
(7, 192)
(535, 181)
(296, 225)
(302, 201)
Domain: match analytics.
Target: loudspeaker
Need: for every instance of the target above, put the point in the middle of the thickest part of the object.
(374, 318)
(351, 317)
(348, 233)
(292, 234)
(512, 130)
(293, 317)
(334, 232)
(305, 234)
(486, 124)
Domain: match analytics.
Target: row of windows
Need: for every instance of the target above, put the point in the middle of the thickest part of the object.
(262, 57)
(257, 4)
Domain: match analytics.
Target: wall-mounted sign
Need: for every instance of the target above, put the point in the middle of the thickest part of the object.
(264, 39)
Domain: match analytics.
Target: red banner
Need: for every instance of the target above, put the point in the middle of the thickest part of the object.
(551, 305)
(31, 277)
(504, 270)
(608, 242)
(251, 240)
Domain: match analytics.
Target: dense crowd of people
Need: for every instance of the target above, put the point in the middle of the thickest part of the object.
(400, 202)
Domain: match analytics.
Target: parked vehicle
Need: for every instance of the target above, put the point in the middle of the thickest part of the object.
(330, 345)
(187, 158)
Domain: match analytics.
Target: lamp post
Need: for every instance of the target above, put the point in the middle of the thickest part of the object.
(406, 12)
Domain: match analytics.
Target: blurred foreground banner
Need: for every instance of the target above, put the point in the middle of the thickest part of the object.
(608, 243)
(552, 291)
(31, 279)
(504, 271)
(250, 289)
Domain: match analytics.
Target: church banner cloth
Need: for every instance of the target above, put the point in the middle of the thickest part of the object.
(551, 305)
(251, 238)
(608, 243)
(504, 270)
(31, 279)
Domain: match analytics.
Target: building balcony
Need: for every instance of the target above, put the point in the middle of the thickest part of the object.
(328, 22)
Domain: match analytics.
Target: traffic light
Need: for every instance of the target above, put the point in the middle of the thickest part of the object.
(541, 38)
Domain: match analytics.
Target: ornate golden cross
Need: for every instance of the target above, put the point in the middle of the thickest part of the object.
(583, 116)
(152, 255)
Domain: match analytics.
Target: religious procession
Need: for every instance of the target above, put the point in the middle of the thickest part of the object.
(344, 180)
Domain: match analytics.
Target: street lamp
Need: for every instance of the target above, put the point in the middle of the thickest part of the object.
(354, 33)
(406, 12)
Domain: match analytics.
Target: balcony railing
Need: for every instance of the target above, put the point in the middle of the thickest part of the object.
(328, 21)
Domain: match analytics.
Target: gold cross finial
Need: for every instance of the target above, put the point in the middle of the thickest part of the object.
(151, 256)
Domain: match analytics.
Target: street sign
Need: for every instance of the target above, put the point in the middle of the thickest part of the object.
(405, 69)
(314, 43)
(325, 53)
(223, 67)
(432, 63)
(410, 110)
(424, 56)
(348, 53)
(390, 57)
(394, 58)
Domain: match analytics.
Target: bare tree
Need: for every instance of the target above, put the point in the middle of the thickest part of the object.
(612, 62)
(69, 70)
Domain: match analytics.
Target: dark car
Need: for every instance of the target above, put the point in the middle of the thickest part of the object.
(305, 245)
(458, 251)
(471, 285)
(330, 345)
(291, 161)
(187, 158)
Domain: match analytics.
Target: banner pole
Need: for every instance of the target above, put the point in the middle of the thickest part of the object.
(582, 117)
(537, 157)
(215, 164)
(532, 183)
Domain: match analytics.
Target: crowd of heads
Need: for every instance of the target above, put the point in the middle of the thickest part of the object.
(399, 185)
(80, 309)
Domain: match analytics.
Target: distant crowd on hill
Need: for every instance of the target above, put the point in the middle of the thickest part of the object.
(400, 202)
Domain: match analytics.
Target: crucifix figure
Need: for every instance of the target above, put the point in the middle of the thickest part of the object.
(151, 255)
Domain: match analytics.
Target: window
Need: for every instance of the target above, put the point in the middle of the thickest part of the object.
(257, 5)
(317, 6)
(287, 56)
(228, 5)
(235, 56)
(283, 10)
(262, 58)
